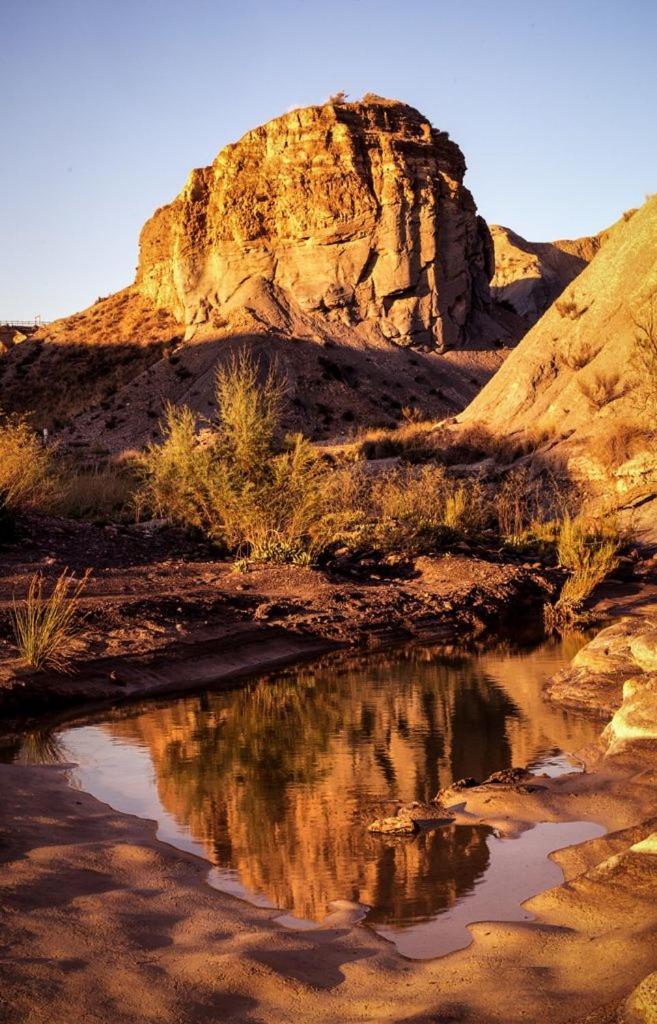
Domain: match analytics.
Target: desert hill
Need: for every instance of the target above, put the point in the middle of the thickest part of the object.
(339, 238)
(585, 376)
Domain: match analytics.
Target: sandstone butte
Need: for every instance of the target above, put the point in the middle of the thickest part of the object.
(338, 238)
(344, 226)
(346, 214)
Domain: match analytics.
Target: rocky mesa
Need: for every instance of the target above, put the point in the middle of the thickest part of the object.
(347, 214)
(344, 226)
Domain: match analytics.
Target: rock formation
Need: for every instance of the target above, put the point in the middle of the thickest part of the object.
(531, 275)
(338, 239)
(352, 214)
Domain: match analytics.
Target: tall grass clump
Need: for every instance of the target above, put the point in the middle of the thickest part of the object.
(590, 550)
(99, 493)
(46, 628)
(27, 475)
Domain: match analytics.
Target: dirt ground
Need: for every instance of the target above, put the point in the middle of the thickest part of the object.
(164, 614)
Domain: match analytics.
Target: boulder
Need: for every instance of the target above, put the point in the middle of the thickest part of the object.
(594, 680)
(634, 725)
(394, 826)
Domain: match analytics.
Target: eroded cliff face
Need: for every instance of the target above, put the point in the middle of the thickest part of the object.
(353, 214)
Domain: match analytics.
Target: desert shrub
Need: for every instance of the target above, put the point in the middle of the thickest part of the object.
(99, 492)
(584, 542)
(570, 308)
(176, 474)
(414, 441)
(576, 358)
(275, 519)
(602, 389)
(622, 440)
(517, 502)
(242, 484)
(250, 413)
(528, 503)
(476, 442)
(27, 473)
(589, 549)
(408, 510)
(644, 357)
(47, 628)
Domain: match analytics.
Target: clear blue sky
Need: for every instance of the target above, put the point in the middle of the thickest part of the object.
(107, 104)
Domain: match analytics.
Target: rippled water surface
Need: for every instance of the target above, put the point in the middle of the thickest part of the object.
(274, 784)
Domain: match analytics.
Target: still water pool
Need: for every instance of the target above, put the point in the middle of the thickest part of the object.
(274, 784)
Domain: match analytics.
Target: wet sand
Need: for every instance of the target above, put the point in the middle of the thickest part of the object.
(102, 922)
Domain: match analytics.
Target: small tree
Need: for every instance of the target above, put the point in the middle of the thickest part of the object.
(644, 357)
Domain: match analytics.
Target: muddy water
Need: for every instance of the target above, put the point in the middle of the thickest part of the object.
(274, 785)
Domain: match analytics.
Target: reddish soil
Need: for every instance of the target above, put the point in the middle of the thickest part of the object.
(163, 613)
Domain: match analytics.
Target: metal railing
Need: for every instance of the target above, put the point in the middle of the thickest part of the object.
(36, 322)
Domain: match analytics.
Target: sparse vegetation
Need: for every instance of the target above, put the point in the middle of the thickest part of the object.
(580, 356)
(99, 492)
(268, 497)
(47, 628)
(602, 388)
(27, 475)
(622, 440)
(645, 355)
(241, 483)
(568, 307)
(590, 550)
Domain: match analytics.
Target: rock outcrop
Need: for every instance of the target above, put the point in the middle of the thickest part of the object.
(338, 239)
(585, 375)
(352, 214)
(531, 275)
(615, 675)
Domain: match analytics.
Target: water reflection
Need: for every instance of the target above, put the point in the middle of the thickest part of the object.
(275, 782)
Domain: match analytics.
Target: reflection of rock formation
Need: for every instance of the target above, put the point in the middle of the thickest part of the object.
(417, 880)
(277, 780)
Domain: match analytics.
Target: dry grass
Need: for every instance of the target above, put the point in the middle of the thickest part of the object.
(27, 474)
(622, 440)
(589, 549)
(414, 441)
(570, 308)
(47, 628)
(99, 493)
(578, 358)
(602, 388)
(644, 357)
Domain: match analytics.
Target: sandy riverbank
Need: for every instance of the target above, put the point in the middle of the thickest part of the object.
(163, 615)
(102, 922)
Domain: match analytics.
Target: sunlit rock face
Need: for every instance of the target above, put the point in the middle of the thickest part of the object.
(531, 275)
(351, 214)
